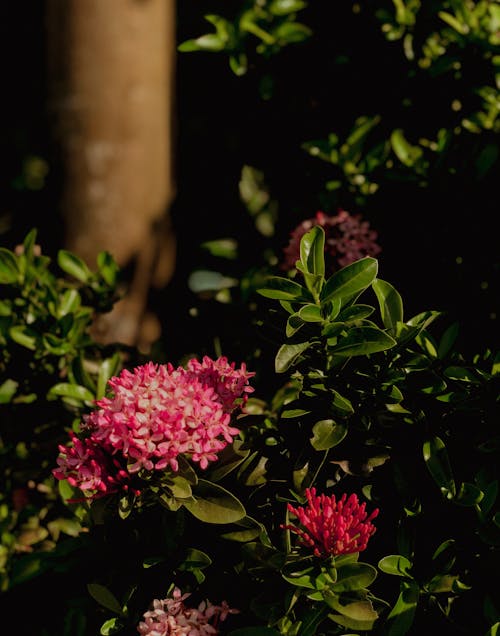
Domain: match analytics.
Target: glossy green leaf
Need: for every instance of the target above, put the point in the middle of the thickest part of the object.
(280, 288)
(350, 280)
(310, 313)
(299, 576)
(400, 618)
(288, 355)
(214, 504)
(327, 434)
(105, 597)
(447, 340)
(291, 413)
(361, 614)
(109, 627)
(312, 251)
(355, 312)
(354, 576)
(195, 559)
(75, 391)
(108, 368)
(395, 564)
(390, 303)
(494, 630)
(363, 341)
(403, 150)
(293, 324)
(9, 270)
(341, 404)
(438, 464)
(74, 266)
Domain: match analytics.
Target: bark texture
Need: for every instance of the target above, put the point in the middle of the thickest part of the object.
(111, 68)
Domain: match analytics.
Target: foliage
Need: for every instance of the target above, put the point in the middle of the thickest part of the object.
(369, 402)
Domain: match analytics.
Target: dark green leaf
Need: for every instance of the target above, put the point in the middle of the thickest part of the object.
(400, 618)
(350, 280)
(214, 504)
(355, 312)
(105, 597)
(341, 403)
(312, 251)
(438, 464)
(363, 341)
(354, 576)
(9, 270)
(281, 288)
(395, 564)
(288, 354)
(327, 434)
(8, 390)
(390, 303)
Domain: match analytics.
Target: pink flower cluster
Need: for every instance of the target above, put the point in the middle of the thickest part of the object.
(332, 527)
(347, 239)
(154, 414)
(170, 616)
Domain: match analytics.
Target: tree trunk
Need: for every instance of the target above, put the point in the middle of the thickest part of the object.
(111, 66)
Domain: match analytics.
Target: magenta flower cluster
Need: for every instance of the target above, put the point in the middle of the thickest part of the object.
(330, 527)
(347, 239)
(154, 414)
(171, 617)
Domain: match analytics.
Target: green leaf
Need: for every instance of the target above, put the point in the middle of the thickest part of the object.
(468, 495)
(312, 251)
(390, 302)
(8, 390)
(354, 576)
(214, 504)
(9, 270)
(67, 390)
(280, 288)
(341, 403)
(310, 313)
(74, 266)
(107, 369)
(291, 413)
(400, 618)
(108, 267)
(105, 597)
(438, 464)
(109, 627)
(403, 150)
(69, 302)
(195, 559)
(363, 341)
(288, 355)
(395, 564)
(327, 434)
(350, 280)
(293, 324)
(357, 615)
(299, 576)
(284, 7)
(355, 312)
(24, 336)
(494, 630)
(448, 339)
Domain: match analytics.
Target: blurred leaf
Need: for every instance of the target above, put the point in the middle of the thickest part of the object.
(74, 266)
(105, 598)
(9, 271)
(8, 390)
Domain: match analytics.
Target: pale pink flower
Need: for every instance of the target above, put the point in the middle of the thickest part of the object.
(154, 414)
(347, 239)
(332, 527)
(171, 616)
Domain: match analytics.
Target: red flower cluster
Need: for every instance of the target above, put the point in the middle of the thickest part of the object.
(332, 527)
(347, 239)
(155, 414)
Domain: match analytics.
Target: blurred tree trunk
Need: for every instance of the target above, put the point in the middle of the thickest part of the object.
(110, 74)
